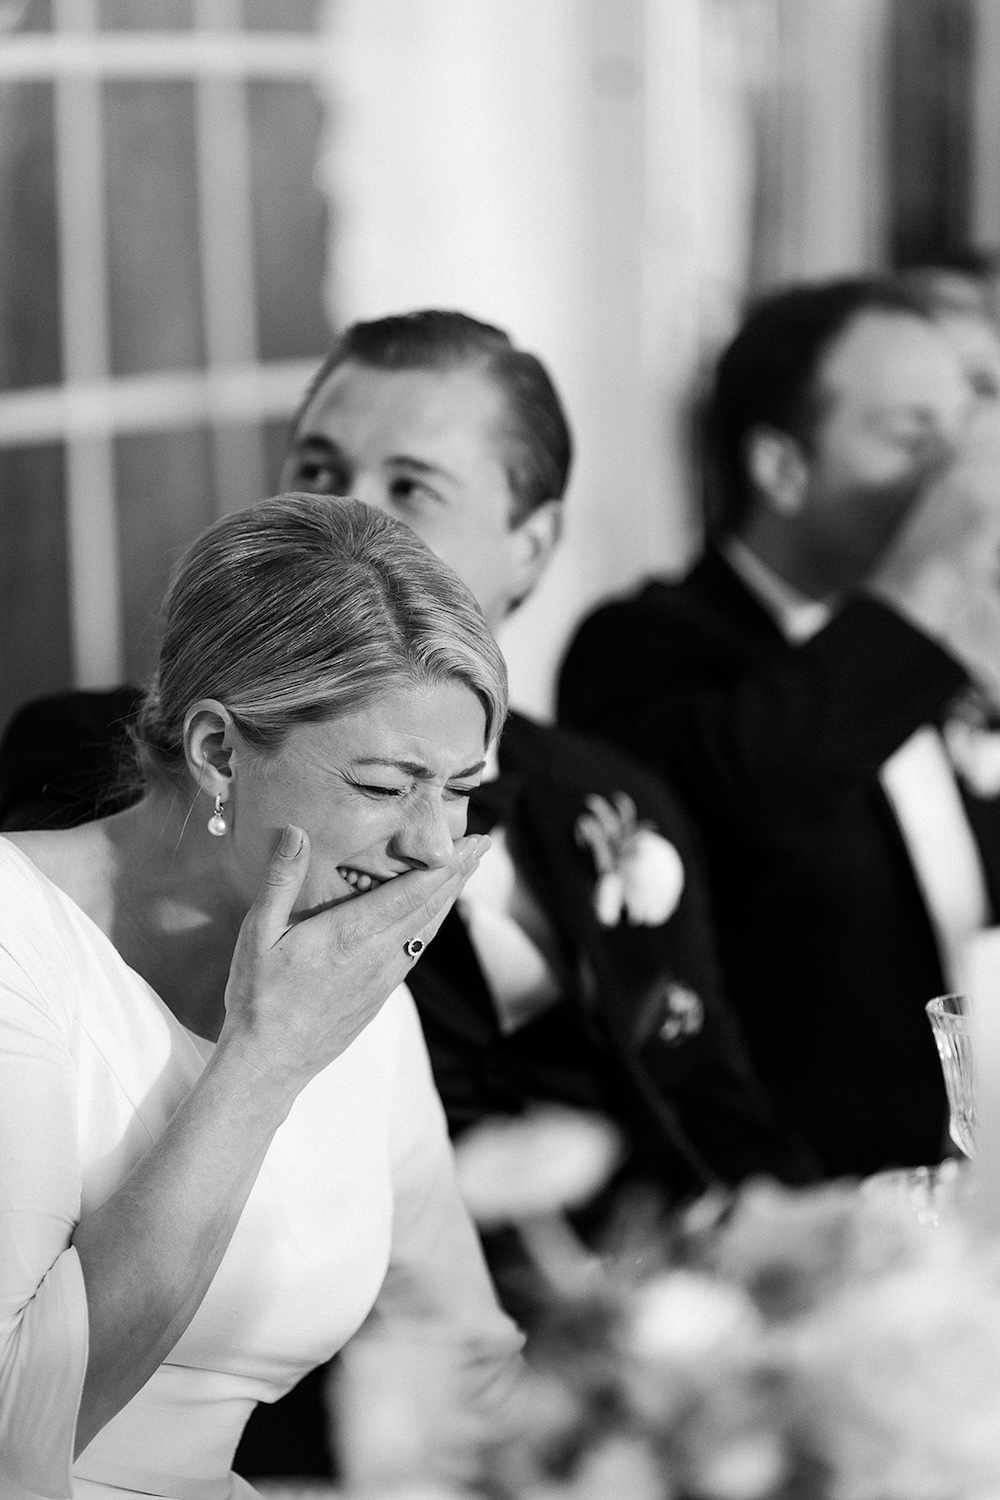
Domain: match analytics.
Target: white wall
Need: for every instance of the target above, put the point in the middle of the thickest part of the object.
(492, 156)
(585, 173)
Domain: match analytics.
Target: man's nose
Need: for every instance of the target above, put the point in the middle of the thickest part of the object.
(425, 838)
(369, 489)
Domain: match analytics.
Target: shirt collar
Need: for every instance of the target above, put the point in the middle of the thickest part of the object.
(797, 616)
(491, 770)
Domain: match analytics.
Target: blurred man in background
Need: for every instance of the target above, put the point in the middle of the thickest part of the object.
(819, 687)
(961, 297)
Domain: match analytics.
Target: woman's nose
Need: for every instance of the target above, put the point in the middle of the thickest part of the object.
(425, 839)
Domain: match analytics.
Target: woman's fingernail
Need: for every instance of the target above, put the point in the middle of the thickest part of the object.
(478, 845)
(291, 841)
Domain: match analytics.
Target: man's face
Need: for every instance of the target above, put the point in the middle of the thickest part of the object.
(425, 446)
(976, 341)
(894, 403)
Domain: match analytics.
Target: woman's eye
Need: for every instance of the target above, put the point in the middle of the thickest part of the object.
(459, 793)
(382, 791)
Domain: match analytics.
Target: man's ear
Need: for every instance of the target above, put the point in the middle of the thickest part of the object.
(777, 469)
(209, 741)
(534, 540)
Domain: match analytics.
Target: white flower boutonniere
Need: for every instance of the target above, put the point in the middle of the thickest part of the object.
(640, 874)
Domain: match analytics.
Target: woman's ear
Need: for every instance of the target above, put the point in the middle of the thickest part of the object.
(209, 741)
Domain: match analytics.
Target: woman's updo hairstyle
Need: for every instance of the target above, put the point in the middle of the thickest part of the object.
(300, 608)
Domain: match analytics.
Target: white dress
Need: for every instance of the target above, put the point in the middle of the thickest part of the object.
(357, 1181)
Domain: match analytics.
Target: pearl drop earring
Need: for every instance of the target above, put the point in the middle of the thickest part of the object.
(217, 822)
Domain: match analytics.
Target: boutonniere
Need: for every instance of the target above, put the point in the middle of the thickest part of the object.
(973, 745)
(639, 873)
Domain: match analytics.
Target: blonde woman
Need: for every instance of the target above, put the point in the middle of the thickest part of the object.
(220, 1145)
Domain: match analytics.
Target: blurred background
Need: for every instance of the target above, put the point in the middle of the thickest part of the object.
(196, 194)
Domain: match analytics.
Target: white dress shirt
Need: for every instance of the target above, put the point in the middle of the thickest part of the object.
(510, 932)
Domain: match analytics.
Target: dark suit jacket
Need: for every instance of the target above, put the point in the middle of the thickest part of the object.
(65, 758)
(827, 948)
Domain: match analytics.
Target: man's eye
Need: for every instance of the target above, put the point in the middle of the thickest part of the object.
(321, 478)
(985, 384)
(413, 493)
(917, 443)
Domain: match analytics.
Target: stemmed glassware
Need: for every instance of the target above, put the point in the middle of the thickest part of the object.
(951, 1025)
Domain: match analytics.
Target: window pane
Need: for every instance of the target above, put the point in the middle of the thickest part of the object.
(279, 15)
(276, 435)
(164, 500)
(29, 269)
(155, 279)
(289, 219)
(35, 654)
(145, 15)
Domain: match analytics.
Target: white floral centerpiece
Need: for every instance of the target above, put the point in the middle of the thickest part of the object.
(817, 1344)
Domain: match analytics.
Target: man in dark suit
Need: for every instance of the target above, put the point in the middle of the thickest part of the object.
(529, 992)
(811, 686)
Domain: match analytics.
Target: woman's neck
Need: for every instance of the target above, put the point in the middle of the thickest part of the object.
(160, 892)
(176, 915)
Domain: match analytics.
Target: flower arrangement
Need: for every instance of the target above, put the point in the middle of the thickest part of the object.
(776, 1344)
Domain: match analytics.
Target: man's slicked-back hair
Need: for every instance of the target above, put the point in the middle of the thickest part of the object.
(537, 445)
(767, 377)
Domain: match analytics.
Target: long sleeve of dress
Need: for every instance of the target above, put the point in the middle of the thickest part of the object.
(43, 1307)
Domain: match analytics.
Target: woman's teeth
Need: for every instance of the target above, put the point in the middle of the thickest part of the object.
(357, 879)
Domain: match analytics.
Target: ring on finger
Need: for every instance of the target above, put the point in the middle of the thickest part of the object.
(414, 947)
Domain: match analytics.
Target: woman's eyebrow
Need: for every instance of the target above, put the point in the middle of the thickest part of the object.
(415, 767)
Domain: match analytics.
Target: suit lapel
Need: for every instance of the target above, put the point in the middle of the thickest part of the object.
(450, 967)
(617, 969)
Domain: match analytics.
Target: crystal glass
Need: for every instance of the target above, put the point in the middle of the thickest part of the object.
(931, 1194)
(950, 1023)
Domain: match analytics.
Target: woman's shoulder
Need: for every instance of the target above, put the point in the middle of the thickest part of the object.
(37, 919)
(35, 943)
(70, 859)
(24, 880)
